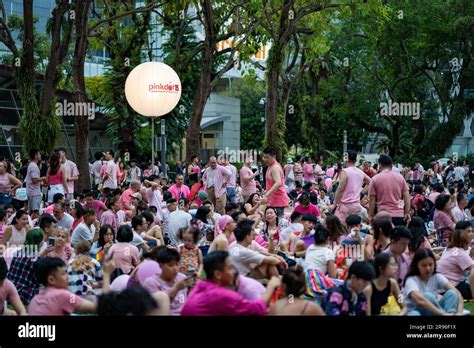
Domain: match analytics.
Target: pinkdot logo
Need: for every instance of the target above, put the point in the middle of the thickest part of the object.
(160, 87)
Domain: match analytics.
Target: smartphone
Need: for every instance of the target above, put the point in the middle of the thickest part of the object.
(191, 273)
(51, 241)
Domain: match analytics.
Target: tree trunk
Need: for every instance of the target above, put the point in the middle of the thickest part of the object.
(79, 92)
(320, 146)
(395, 141)
(203, 91)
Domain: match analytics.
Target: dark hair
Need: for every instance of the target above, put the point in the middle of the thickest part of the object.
(3, 269)
(362, 270)
(125, 234)
(46, 266)
(103, 230)
(54, 164)
(61, 149)
(250, 199)
(459, 239)
(265, 229)
(45, 221)
(462, 225)
(383, 226)
(353, 220)
(441, 201)
(171, 200)
(33, 153)
(134, 301)
(89, 194)
(235, 215)
(385, 160)
(381, 261)
(201, 213)
(3, 213)
(166, 255)
(79, 209)
(18, 216)
(88, 211)
(295, 215)
(295, 280)
(418, 189)
(148, 216)
(98, 155)
(269, 151)
(243, 229)
(214, 261)
(418, 232)
(111, 152)
(439, 188)
(321, 235)
(137, 220)
(335, 227)
(230, 206)
(57, 197)
(460, 197)
(111, 202)
(183, 202)
(352, 156)
(399, 232)
(419, 255)
(194, 231)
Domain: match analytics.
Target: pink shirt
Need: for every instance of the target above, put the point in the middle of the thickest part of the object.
(155, 283)
(453, 263)
(71, 170)
(355, 179)
(233, 176)
(308, 172)
(110, 218)
(126, 197)
(248, 187)
(54, 301)
(388, 187)
(49, 210)
(208, 298)
(311, 209)
(5, 184)
(221, 175)
(125, 256)
(176, 191)
(279, 198)
(8, 293)
(56, 179)
(98, 206)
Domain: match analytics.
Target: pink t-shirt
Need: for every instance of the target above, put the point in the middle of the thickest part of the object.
(310, 209)
(248, 187)
(49, 209)
(54, 301)
(126, 197)
(155, 283)
(177, 192)
(308, 172)
(71, 170)
(453, 263)
(209, 298)
(279, 198)
(125, 256)
(355, 179)
(8, 293)
(388, 187)
(98, 206)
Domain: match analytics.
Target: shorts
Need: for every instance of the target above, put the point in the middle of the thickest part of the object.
(34, 202)
(344, 210)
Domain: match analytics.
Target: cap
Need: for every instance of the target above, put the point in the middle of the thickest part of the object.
(223, 221)
(289, 161)
(137, 195)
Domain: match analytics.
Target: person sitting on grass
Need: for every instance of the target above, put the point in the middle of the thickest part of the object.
(348, 298)
(384, 285)
(293, 287)
(55, 298)
(8, 293)
(211, 296)
(422, 285)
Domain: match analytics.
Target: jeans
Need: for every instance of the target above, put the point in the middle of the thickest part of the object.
(449, 303)
(231, 195)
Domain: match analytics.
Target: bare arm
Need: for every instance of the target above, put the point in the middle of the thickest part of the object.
(7, 233)
(368, 295)
(341, 187)
(421, 301)
(332, 269)
(277, 182)
(14, 181)
(64, 180)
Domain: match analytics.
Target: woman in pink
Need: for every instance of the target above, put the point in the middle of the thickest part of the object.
(194, 170)
(253, 206)
(56, 177)
(62, 247)
(306, 207)
(298, 170)
(272, 230)
(124, 254)
(275, 182)
(247, 179)
(122, 174)
(442, 219)
(8, 184)
(308, 169)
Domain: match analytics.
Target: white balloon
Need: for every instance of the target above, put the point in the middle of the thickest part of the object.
(153, 89)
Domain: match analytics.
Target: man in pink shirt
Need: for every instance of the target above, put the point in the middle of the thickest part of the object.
(347, 197)
(276, 196)
(110, 216)
(90, 202)
(72, 174)
(214, 178)
(213, 295)
(389, 191)
(126, 197)
(179, 189)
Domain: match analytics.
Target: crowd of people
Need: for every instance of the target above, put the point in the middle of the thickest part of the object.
(305, 238)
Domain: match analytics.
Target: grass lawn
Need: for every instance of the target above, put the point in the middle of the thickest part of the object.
(469, 306)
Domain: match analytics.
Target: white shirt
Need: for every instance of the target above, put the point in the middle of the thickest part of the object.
(317, 258)
(459, 173)
(66, 222)
(459, 215)
(82, 232)
(244, 259)
(178, 219)
(111, 170)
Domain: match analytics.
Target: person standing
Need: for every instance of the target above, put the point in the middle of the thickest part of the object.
(347, 197)
(193, 171)
(389, 191)
(275, 195)
(289, 174)
(134, 172)
(231, 182)
(33, 181)
(56, 178)
(214, 178)
(72, 174)
(96, 166)
(298, 170)
(308, 169)
(247, 179)
(110, 176)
